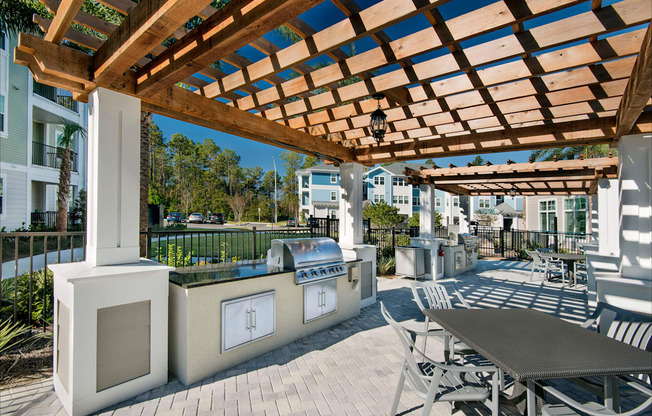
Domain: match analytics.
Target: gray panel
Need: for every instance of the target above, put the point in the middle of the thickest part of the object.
(123, 343)
(366, 280)
(63, 344)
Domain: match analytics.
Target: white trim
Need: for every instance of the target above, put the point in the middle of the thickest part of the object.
(3, 178)
(4, 89)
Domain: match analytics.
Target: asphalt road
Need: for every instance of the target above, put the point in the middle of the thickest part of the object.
(263, 226)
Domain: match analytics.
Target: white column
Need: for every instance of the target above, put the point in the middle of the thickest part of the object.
(608, 214)
(351, 228)
(634, 179)
(427, 211)
(465, 207)
(113, 178)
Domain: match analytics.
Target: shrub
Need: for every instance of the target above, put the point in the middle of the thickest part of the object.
(386, 265)
(387, 251)
(42, 298)
(12, 335)
(174, 256)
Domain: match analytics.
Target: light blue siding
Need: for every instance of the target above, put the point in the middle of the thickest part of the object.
(324, 178)
(324, 194)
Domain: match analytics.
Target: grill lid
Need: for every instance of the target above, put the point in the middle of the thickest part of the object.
(313, 259)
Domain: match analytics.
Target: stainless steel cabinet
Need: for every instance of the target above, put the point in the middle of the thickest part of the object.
(248, 319)
(319, 299)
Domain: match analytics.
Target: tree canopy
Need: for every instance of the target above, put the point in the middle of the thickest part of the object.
(382, 215)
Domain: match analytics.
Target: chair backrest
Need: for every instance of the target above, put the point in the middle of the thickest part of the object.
(629, 327)
(535, 256)
(436, 295)
(545, 250)
(411, 368)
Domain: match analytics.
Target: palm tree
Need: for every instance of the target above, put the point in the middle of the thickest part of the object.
(64, 151)
(16, 16)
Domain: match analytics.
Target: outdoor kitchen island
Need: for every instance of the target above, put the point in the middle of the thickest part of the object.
(222, 317)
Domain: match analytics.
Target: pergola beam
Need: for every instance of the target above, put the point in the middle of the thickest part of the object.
(638, 90)
(66, 12)
(236, 25)
(58, 61)
(149, 24)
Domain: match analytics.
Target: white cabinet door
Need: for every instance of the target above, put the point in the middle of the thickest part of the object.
(312, 299)
(235, 323)
(329, 297)
(263, 319)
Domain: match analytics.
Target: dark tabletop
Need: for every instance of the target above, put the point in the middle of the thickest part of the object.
(531, 345)
(565, 256)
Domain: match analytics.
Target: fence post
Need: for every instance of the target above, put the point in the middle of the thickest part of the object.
(312, 229)
(148, 246)
(369, 231)
(502, 242)
(253, 232)
(393, 237)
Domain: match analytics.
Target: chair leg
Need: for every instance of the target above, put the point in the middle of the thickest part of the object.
(427, 325)
(397, 396)
(495, 410)
(501, 379)
(430, 399)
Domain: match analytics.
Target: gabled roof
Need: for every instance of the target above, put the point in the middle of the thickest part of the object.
(506, 209)
(322, 167)
(395, 169)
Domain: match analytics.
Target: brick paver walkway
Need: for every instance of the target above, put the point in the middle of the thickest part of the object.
(349, 369)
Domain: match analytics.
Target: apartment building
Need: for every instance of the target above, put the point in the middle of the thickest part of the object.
(31, 116)
(319, 191)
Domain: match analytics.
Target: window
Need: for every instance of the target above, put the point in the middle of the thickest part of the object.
(456, 201)
(547, 215)
(437, 202)
(415, 201)
(379, 180)
(333, 177)
(333, 195)
(575, 214)
(2, 196)
(398, 181)
(484, 203)
(333, 214)
(394, 200)
(378, 198)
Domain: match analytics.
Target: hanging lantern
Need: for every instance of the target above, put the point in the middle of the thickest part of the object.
(512, 192)
(378, 123)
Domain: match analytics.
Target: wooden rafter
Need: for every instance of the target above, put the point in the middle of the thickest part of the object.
(459, 86)
(638, 90)
(148, 24)
(578, 176)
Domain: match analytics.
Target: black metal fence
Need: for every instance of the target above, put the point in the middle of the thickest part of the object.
(49, 219)
(512, 244)
(26, 290)
(56, 95)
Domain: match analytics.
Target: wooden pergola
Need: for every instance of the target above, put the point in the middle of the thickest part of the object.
(511, 75)
(564, 177)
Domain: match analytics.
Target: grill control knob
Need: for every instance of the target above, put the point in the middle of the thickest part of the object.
(314, 273)
(323, 271)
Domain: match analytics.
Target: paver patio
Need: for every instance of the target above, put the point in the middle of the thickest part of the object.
(349, 369)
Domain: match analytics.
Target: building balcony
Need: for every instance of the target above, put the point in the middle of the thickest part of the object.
(49, 156)
(56, 95)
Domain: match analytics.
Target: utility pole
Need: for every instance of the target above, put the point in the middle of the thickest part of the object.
(275, 204)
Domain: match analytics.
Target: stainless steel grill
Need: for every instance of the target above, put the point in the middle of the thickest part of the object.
(470, 241)
(313, 259)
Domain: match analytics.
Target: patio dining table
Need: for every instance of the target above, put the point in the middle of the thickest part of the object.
(530, 346)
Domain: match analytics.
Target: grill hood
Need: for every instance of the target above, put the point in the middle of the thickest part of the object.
(313, 259)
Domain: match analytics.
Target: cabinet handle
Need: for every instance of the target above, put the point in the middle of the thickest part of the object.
(324, 296)
(253, 315)
(248, 323)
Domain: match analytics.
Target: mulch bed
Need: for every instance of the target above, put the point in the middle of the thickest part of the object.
(26, 364)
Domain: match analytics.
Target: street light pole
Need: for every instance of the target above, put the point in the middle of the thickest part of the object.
(275, 205)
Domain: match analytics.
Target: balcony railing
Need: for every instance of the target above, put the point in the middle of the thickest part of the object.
(56, 95)
(50, 156)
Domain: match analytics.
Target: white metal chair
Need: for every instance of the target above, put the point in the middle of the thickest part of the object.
(438, 298)
(580, 270)
(552, 265)
(437, 382)
(538, 263)
(571, 407)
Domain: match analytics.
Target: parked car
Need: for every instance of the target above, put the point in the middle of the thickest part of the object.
(196, 217)
(174, 217)
(292, 222)
(312, 222)
(217, 218)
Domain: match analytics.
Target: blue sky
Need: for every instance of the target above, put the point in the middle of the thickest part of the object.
(325, 14)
